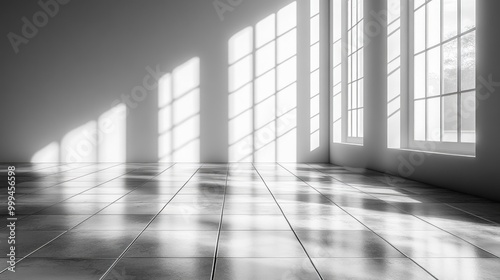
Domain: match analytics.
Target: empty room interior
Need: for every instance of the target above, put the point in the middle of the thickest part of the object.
(250, 139)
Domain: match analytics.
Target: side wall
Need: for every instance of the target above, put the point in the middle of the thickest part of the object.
(479, 175)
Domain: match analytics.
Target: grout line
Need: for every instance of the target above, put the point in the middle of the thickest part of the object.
(120, 257)
(66, 231)
(59, 183)
(413, 215)
(355, 217)
(288, 222)
(220, 226)
(36, 212)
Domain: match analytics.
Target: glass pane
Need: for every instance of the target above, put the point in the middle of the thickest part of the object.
(468, 117)
(433, 119)
(450, 66)
(394, 84)
(419, 120)
(349, 124)
(360, 10)
(349, 63)
(468, 14)
(419, 76)
(354, 95)
(419, 30)
(468, 66)
(360, 123)
(450, 118)
(360, 93)
(354, 123)
(354, 11)
(433, 23)
(354, 66)
(349, 96)
(433, 71)
(450, 14)
(337, 53)
(354, 43)
(349, 10)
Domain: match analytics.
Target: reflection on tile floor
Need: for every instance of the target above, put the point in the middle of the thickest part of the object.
(244, 221)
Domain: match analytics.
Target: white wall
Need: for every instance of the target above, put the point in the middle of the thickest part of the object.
(91, 55)
(476, 175)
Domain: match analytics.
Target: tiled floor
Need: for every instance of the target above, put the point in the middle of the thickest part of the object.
(244, 221)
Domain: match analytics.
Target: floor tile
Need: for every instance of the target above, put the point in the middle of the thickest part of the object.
(185, 222)
(264, 268)
(88, 245)
(133, 208)
(346, 244)
(429, 244)
(69, 208)
(27, 241)
(174, 244)
(115, 222)
(462, 268)
(162, 268)
(340, 221)
(58, 269)
(370, 269)
(254, 222)
(259, 244)
(50, 222)
(181, 208)
(249, 208)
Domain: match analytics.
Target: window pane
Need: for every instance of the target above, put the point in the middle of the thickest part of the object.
(468, 14)
(450, 118)
(450, 66)
(419, 76)
(354, 66)
(349, 74)
(450, 14)
(433, 119)
(354, 11)
(433, 23)
(468, 67)
(419, 30)
(354, 96)
(419, 120)
(360, 93)
(349, 124)
(468, 117)
(354, 123)
(360, 123)
(349, 96)
(433, 72)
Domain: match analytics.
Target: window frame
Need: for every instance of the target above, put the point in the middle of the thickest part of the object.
(408, 79)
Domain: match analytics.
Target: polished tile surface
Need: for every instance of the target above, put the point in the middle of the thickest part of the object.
(244, 221)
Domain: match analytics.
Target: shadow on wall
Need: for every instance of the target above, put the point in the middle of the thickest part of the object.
(263, 90)
(100, 140)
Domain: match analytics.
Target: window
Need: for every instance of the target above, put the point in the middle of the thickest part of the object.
(348, 71)
(441, 81)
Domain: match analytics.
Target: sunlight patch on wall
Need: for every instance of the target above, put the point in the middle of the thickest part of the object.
(179, 114)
